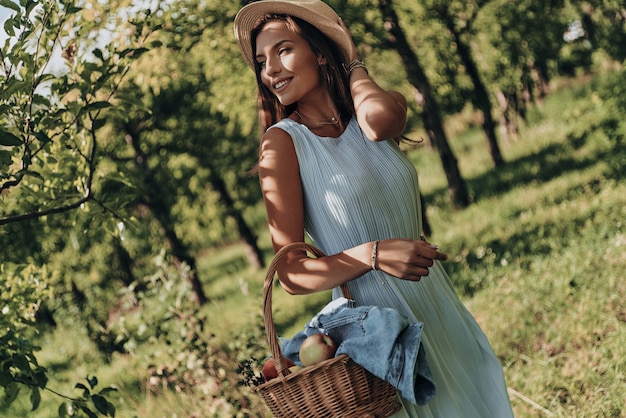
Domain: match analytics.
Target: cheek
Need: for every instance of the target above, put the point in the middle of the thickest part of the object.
(265, 81)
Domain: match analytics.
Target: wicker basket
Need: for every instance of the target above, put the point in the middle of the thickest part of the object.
(335, 388)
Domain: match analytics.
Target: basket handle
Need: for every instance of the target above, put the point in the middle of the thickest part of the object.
(270, 331)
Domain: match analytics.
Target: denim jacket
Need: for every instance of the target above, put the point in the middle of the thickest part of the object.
(381, 340)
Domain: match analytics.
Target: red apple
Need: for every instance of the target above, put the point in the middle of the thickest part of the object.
(317, 348)
(269, 371)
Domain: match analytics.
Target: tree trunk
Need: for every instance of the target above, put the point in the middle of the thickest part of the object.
(254, 254)
(424, 96)
(161, 211)
(481, 95)
(508, 126)
(179, 250)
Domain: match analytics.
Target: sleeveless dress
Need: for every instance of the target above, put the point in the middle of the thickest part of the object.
(355, 191)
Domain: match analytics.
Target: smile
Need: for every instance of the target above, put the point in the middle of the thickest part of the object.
(281, 84)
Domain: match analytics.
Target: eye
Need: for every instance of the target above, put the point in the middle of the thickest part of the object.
(261, 64)
(282, 51)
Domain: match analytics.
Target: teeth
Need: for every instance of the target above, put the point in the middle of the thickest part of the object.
(280, 84)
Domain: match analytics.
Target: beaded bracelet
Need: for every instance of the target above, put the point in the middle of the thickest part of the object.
(380, 275)
(356, 64)
(375, 254)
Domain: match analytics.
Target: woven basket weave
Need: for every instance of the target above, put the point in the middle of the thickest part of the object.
(335, 388)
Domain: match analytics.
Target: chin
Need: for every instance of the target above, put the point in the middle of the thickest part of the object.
(286, 102)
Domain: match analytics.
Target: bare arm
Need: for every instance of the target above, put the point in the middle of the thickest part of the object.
(380, 113)
(282, 192)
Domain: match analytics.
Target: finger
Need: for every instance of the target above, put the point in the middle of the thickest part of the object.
(412, 277)
(430, 251)
(441, 256)
(423, 262)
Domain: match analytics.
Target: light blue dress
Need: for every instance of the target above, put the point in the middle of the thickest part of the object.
(357, 191)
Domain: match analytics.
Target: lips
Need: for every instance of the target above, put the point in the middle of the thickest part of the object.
(280, 84)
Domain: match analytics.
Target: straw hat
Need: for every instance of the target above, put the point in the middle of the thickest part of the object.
(316, 12)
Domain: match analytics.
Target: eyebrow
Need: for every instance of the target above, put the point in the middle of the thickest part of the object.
(275, 46)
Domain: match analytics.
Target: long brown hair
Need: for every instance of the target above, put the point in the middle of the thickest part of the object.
(333, 73)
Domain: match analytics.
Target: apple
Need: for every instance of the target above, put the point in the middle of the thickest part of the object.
(294, 369)
(317, 348)
(269, 371)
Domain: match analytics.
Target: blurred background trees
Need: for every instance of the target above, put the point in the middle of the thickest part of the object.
(127, 131)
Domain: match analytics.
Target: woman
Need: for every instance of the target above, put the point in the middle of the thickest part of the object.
(329, 167)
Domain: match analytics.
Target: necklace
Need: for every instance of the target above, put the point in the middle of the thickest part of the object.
(333, 120)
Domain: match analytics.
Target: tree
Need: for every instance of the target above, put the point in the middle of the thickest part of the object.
(604, 22)
(48, 145)
(433, 122)
(459, 24)
(519, 44)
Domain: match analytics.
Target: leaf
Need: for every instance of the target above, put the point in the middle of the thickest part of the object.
(107, 390)
(10, 392)
(98, 54)
(35, 174)
(111, 410)
(41, 378)
(8, 27)
(62, 410)
(12, 86)
(86, 391)
(93, 381)
(89, 412)
(5, 378)
(44, 77)
(10, 4)
(41, 100)
(96, 106)
(100, 403)
(8, 139)
(30, 4)
(42, 136)
(99, 123)
(35, 398)
(21, 363)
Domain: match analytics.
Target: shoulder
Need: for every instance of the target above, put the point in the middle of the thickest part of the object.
(276, 147)
(276, 135)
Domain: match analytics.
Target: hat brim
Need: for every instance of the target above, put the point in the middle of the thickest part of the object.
(315, 12)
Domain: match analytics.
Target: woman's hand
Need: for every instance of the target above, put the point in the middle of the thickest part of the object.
(407, 259)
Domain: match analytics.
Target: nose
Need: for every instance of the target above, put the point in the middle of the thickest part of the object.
(272, 65)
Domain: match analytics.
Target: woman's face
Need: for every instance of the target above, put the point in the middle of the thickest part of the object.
(289, 67)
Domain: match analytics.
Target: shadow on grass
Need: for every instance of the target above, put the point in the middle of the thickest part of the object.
(538, 240)
(547, 164)
(551, 162)
(219, 267)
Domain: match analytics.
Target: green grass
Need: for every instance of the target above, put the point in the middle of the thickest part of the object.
(539, 258)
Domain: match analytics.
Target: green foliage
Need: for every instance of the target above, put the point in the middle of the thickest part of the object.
(49, 151)
(605, 25)
(52, 155)
(83, 406)
(21, 294)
